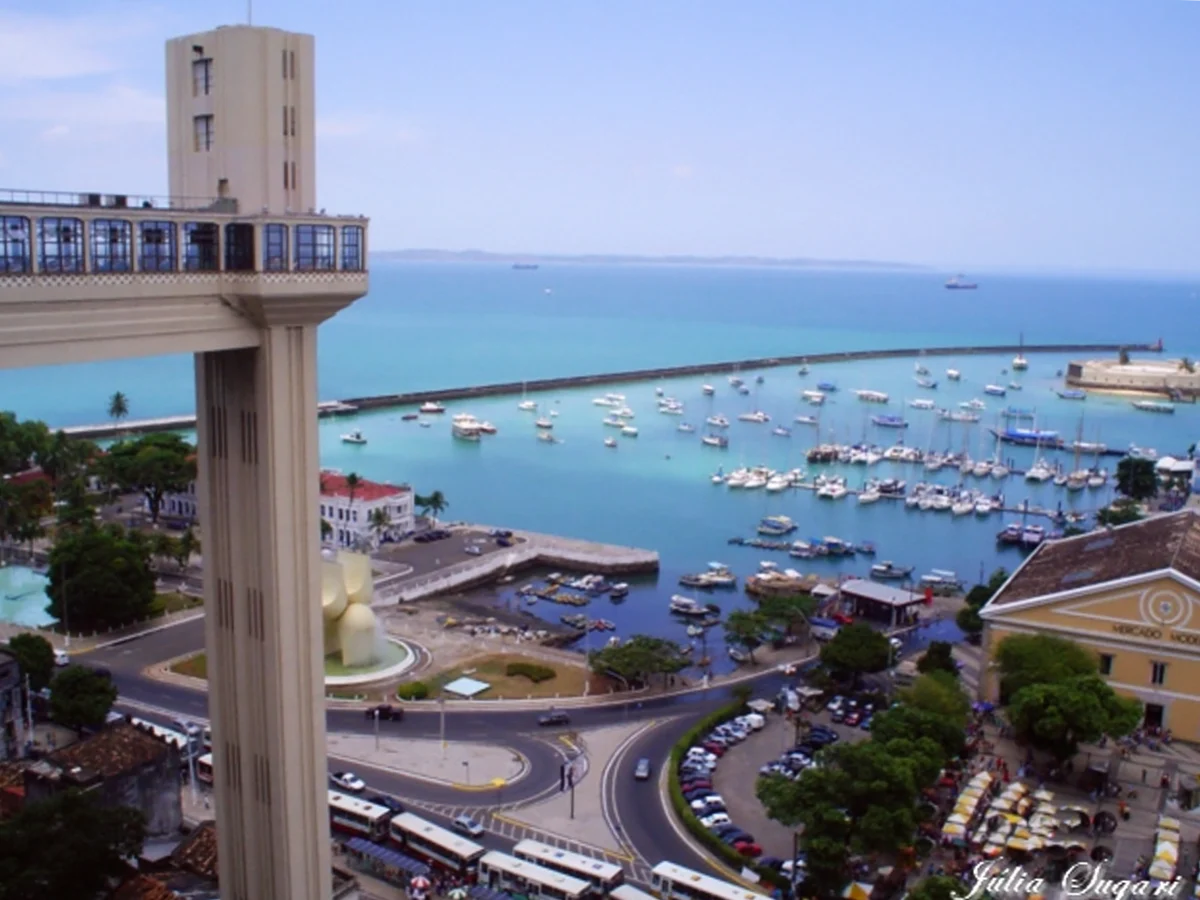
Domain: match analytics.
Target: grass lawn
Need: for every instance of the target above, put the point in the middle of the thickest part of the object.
(567, 682)
(173, 601)
(194, 666)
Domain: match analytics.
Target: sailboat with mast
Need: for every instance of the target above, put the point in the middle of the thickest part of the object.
(1041, 470)
(1020, 363)
(526, 405)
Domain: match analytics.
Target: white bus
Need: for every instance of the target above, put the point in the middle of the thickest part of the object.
(176, 739)
(204, 769)
(358, 817)
(439, 847)
(674, 882)
(502, 872)
(629, 892)
(603, 876)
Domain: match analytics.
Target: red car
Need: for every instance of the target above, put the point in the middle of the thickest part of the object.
(842, 619)
(748, 849)
(715, 749)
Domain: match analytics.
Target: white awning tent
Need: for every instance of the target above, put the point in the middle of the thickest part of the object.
(467, 687)
(1169, 465)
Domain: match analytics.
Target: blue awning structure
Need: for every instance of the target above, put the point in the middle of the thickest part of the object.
(481, 892)
(387, 856)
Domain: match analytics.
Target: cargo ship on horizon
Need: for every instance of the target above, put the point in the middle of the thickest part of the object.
(959, 283)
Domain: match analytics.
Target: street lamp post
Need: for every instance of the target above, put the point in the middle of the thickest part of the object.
(377, 728)
(442, 724)
(467, 768)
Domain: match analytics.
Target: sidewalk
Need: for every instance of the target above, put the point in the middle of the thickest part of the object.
(467, 766)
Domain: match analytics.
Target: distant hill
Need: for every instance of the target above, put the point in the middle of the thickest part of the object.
(483, 256)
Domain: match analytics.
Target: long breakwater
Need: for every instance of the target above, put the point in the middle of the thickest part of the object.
(390, 401)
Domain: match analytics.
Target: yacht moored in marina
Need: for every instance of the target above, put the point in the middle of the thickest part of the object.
(814, 398)
(487, 428)
(757, 416)
(543, 423)
(1040, 471)
(429, 407)
(996, 390)
(708, 390)
(610, 442)
(807, 420)
(685, 428)
(890, 571)
(614, 422)
(1154, 406)
(1071, 394)
(527, 406)
(883, 421)
(781, 431)
(776, 526)
(954, 374)
(871, 396)
(717, 421)
(921, 403)
(974, 404)
(465, 427)
(715, 440)
(629, 431)
(927, 383)
(983, 506)
(547, 437)
(355, 436)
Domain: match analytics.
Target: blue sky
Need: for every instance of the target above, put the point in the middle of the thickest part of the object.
(1010, 133)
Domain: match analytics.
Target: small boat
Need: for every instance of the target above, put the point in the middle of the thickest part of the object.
(781, 431)
(715, 440)
(629, 431)
(717, 421)
(610, 442)
(487, 428)
(1071, 394)
(775, 526)
(1020, 363)
(807, 420)
(1040, 471)
(803, 370)
(983, 507)
(941, 578)
(758, 416)
(996, 390)
(543, 423)
(890, 571)
(425, 424)
(959, 283)
(614, 422)
(869, 495)
(921, 403)
(954, 374)
(620, 589)
(465, 427)
(429, 407)
(354, 437)
(921, 369)
(708, 390)
(546, 437)
(889, 421)
(927, 383)
(975, 403)
(814, 398)
(1015, 386)
(872, 396)
(686, 428)
(527, 406)
(828, 387)
(686, 606)
(1154, 406)
(409, 417)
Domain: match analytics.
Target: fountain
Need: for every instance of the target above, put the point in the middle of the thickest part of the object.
(356, 649)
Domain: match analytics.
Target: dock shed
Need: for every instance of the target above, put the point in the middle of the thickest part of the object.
(881, 602)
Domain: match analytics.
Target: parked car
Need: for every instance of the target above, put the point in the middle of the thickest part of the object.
(472, 550)
(641, 771)
(348, 781)
(61, 658)
(853, 717)
(554, 718)
(387, 801)
(467, 826)
(718, 818)
(386, 712)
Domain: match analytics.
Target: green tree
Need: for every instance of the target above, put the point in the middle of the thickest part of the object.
(744, 628)
(35, 656)
(68, 847)
(938, 657)
(118, 407)
(827, 861)
(163, 548)
(436, 504)
(187, 545)
(638, 658)
(790, 613)
(1119, 512)
(100, 577)
(968, 620)
(1136, 478)
(903, 722)
(936, 887)
(1028, 659)
(21, 443)
(379, 521)
(326, 529)
(81, 697)
(76, 508)
(1058, 716)
(856, 650)
(65, 457)
(154, 465)
(938, 692)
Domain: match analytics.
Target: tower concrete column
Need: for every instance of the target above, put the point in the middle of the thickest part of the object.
(258, 489)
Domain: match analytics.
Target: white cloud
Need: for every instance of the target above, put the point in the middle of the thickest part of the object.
(368, 126)
(113, 105)
(55, 132)
(682, 171)
(38, 47)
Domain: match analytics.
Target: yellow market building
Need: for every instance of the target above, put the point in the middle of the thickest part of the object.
(1132, 596)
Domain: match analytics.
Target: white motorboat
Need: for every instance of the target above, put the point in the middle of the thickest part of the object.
(921, 403)
(686, 606)
(671, 409)
(781, 431)
(610, 442)
(983, 506)
(554, 413)
(465, 428)
(605, 401)
(624, 412)
(547, 437)
(708, 390)
(778, 483)
(717, 421)
(614, 422)
(954, 374)
(429, 407)
(975, 404)
(354, 437)
(1020, 363)
(629, 431)
(982, 469)
(869, 495)
(754, 482)
(543, 423)
(527, 406)
(872, 396)
(814, 398)
(964, 506)
(686, 428)
(996, 390)
(487, 428)
(737, 478)
(659, 391)
(715, 440)
(999, 470)
(1040, 471)
(1097, 479)
(834, 489)
(757, 416)
(941, 502)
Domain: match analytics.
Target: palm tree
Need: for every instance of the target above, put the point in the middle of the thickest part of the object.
(118, 407)
(187, 544)
(1187, 365)
(380, 521)
(353, 482)
(436, 503)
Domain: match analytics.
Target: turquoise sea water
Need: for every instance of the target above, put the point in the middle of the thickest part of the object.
(23, 597)
(426, 326)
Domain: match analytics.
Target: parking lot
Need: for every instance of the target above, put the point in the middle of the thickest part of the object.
(429, 557)
(738, 770)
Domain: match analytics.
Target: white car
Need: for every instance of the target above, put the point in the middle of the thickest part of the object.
(896, 643)
(834, 704)
(714, 820)
(468, 826)
(61, 658)
(348, 781)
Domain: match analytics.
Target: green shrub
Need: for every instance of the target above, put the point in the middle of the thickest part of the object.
(535, 672)
(414, 690)
(684, 811)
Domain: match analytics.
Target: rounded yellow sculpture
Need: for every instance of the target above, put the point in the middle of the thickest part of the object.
(347, 589)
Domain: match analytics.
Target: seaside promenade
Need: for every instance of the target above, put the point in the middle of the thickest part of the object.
(350, 406)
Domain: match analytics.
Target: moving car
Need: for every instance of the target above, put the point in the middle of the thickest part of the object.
(467, 826)
(641, 771)
(61, 658)
(348, 781)
(554, 718)
(386, 712)
(386, 801)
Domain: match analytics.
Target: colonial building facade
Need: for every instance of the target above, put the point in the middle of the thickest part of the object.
(1131, 595)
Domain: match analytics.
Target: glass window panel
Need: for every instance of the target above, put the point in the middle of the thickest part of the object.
(61, 241)
(157, 246)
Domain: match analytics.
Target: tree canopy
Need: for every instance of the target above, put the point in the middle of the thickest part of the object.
(789, 613)
(21, 443)
(856, 650)
(155, 465)
(904, 721)
(937, 887)
(1058, 716)
(1028, 659)
(100, 577)
(434, 503)
(1119, 512)
(35, 656)
(81, 697)
(66, 847)
(1136, 478)
(638, 658)
(967, 618)
(939, 693)
(744, 628)
(938, 657)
